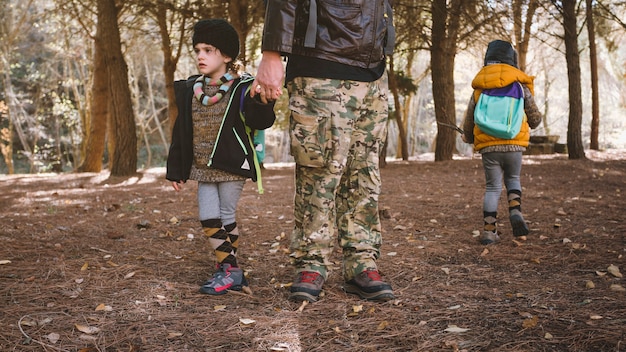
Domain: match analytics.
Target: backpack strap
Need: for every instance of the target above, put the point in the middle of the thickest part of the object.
(311, 28)
(257, 166)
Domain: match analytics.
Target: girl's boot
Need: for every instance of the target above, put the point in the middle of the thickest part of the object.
(520, 228)
(490, 233)
(228, 276)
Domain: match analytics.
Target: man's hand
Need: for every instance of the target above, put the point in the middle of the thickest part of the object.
(269, 77)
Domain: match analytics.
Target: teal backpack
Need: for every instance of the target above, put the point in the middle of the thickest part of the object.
(499, 112)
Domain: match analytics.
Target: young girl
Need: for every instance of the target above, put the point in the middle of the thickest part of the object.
(501, 157)
(212, 143)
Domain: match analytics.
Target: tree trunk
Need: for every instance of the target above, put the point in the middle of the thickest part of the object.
(123, 159)
(170, 60)
(443, 51)
(574, 136)
(593, 63)
(397, 111)
(97, 125)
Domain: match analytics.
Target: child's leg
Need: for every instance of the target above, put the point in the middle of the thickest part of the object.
(229, 193)
(212, 199)
(512, 171)
(493, 189)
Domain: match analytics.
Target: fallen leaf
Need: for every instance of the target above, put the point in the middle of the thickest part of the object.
(87, 329)
(484, 252)
(454, 328)
(103, 307)
(84, 267)
(129, 275)
(530, 323)
(357, 309)
(173, 335)
(28, 322)
(567, 240)
(614, 270)
(219, 308)
(392, 254)
(590, 284)
(53, 337)
(383, 324)
(446, 270)
(246, 321)
(3, 262)
(548, 336)
(617, 288)
(595, 317)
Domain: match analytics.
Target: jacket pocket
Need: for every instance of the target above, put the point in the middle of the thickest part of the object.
(341, 28)
(308, 139)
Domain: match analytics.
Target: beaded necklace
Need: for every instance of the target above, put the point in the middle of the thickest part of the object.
(224, 82)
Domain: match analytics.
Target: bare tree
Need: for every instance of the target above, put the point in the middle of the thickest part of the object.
(10, 29)
(572, 57)
(593, 66)
(445, 31)
(123, 157)
(521, 28)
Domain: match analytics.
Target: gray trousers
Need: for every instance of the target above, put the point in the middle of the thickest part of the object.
(218, 200)
(499, 166)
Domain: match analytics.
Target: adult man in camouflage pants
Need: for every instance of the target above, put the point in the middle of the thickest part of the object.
(337, 86)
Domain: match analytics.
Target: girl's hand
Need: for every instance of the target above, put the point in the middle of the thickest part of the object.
(178, 185)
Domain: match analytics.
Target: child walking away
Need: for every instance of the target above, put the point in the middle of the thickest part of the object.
(497, 122)
(212, 144)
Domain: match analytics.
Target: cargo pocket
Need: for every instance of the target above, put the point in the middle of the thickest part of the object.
(308, 139)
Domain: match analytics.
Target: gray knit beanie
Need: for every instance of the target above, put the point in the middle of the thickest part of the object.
(501, 52)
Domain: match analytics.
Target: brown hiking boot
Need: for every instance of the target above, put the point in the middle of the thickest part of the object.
(306, 286)
(369, 285)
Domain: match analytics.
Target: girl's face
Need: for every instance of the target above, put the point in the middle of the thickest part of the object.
(210, 60)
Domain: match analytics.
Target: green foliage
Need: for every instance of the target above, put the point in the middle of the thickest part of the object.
(406, 85)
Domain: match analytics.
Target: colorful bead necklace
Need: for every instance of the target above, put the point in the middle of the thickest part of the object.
(224, 82)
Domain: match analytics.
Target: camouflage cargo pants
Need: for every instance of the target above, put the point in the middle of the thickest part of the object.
(337, 129)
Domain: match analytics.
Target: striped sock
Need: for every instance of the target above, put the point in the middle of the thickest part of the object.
(490, 219)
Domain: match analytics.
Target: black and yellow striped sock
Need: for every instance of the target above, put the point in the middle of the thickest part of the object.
(225, 244)
(220, 241)
(490, 220)
(514, 197)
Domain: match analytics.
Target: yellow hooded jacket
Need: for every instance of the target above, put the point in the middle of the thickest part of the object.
(498, 76)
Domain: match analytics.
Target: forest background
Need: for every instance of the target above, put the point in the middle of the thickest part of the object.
(88, 84)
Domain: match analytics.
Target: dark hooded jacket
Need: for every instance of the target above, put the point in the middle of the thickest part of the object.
(234, 146)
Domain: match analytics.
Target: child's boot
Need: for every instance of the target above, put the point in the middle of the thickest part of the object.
(490, 233)
(224, 242)
(520, 228)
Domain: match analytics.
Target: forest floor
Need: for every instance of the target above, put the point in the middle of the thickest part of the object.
(92, 263)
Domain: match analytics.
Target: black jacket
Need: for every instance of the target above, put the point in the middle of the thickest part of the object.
(357, 33)
(234, 150)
